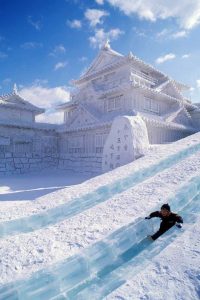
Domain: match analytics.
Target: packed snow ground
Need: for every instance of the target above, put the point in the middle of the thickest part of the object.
(175, 268)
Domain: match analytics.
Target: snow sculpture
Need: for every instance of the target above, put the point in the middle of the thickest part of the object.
(25, 145)
(127, 141)
(195, 114)
(114, 85)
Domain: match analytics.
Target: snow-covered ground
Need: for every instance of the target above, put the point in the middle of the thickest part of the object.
(172, 274)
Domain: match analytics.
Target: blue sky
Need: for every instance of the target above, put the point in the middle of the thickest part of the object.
(45, 44)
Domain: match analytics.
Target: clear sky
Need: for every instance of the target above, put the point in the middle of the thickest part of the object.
(44, 44)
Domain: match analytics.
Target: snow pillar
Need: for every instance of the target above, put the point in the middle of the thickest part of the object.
(127, 141)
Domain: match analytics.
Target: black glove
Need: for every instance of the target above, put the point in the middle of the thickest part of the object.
(147, 218)
(179, 225)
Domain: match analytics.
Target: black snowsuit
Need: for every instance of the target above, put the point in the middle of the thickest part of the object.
(167, 222)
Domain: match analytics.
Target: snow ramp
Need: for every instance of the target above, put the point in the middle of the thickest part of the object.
(100, 269)
(101, 194)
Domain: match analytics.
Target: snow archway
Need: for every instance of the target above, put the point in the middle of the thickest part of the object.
(127, 141)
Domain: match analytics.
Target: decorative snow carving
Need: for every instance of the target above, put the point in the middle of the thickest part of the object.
(106, 57)
(195, 114)
(134, 142)
(15, 90)
(82, 118)
(170, 89)
(106, 46)
(180, 116)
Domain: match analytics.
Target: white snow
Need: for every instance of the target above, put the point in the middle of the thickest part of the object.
(127, 141)
(172, 274)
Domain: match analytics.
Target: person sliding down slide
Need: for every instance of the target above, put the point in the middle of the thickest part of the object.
(168, 218)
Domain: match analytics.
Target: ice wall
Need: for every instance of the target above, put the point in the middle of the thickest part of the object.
(127, 141)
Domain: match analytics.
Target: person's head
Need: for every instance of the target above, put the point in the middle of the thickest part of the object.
(165, 210)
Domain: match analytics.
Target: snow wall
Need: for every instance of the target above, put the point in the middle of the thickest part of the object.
(127, 141)
(27, 149)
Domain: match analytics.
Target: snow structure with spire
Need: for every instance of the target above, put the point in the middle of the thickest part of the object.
(120, 105)
(116, 85)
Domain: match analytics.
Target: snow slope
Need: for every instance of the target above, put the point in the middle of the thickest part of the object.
(172, 274)
(175, 268)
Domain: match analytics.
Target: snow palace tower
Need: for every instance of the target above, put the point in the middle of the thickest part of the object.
(128, 91)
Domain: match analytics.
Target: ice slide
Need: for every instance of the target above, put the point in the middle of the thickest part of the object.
(78, 205)
(103, 267)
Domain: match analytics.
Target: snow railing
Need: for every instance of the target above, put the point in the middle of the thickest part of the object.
(101, 194)
(107, 264)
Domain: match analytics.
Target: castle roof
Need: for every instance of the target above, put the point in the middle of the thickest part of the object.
(108, 59)
(28, 125)
(14, 100)
(107, 119)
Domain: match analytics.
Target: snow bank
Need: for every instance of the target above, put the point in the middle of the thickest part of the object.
(13, 210)
(23, 254)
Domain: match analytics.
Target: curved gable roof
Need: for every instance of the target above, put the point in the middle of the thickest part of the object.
(104, 59)
(14, 100)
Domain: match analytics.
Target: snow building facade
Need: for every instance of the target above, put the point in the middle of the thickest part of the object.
(113, 86)
(25, 145)
(120, 105)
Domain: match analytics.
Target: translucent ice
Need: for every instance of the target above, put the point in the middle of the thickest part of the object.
(101, 194)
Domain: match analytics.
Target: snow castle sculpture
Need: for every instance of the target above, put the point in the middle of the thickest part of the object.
(117, 85)
(116, 89)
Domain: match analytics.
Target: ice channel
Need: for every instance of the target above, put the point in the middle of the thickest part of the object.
(78, 205)
(107, 264)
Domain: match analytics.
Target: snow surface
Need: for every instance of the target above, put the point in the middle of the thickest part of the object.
(127, 141)
(172, 274)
